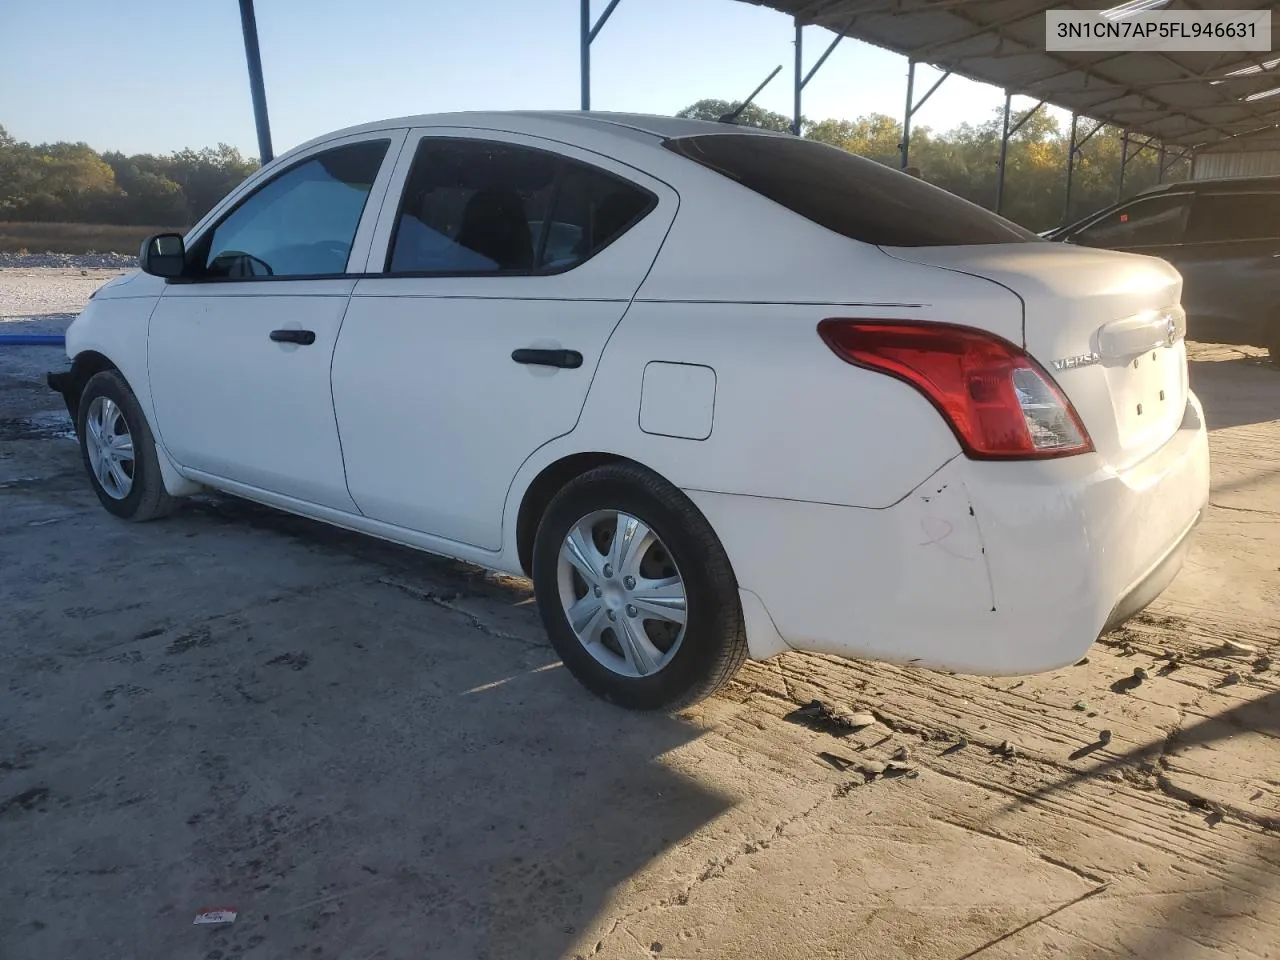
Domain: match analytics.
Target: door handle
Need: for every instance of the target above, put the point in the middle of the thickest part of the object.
(304, 337)
(569, 359)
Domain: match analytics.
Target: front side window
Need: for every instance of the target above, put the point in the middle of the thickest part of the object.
(1155, 221)
(301, 223)
(480, 207)
(1223, 217)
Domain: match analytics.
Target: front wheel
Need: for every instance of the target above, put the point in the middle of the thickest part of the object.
(636, 592)
(118, 450)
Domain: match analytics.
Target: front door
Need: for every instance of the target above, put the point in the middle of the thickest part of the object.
(506, 265)
(239, 352)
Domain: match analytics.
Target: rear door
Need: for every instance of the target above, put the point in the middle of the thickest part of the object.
(505, 262)
(1230, 265)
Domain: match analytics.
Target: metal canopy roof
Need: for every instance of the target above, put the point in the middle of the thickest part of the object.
(1184, 99)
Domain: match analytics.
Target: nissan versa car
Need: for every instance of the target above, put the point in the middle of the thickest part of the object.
(720, 392)
(1223, 236)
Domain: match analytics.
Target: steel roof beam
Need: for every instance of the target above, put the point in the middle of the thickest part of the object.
(840, 35)
(975, 34)
(1065, 62)
(1169, 108)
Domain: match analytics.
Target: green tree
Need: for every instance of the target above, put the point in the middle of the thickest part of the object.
(208, 175)
(150, 196)
(17, 173)
(68, 181)
(72, 182)
(876, 136)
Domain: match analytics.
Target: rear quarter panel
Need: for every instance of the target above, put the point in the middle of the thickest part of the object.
(740, 286)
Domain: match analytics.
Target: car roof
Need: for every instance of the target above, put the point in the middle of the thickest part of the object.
(658, 126)
(1216, 185)
(626, 125)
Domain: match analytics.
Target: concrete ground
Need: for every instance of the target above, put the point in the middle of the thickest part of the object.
(373, 753)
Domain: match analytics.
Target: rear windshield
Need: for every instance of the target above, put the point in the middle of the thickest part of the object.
(853, 196)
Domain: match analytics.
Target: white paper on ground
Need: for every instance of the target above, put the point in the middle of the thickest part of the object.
(216, 915)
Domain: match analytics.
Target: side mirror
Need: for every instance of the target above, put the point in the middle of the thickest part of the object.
(163, 255)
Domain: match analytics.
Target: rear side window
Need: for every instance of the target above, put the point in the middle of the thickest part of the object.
(479, 207)
(1234, 216)
(853, 196)
(1154, 221)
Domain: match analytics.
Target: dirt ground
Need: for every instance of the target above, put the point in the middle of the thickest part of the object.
(373, 753)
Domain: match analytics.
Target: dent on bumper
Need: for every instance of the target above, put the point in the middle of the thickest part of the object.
(908, 583)
(986, 568)
(1154, 582)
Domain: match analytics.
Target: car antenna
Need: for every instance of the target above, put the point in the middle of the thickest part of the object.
(733, 115)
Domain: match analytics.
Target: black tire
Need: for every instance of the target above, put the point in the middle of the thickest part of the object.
(146, 498)
(714, 643)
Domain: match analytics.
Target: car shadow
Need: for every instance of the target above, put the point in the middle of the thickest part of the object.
(356, 771)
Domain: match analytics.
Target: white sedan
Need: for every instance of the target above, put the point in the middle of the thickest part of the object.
(720, 392)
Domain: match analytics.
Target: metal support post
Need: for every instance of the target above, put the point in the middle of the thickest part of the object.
(1124, 162)
(1177, 157)
(1004, 140)
(584, 55)
(905, 147)
(1077, 149)
(253, 59)
(1004, 153)
(795, 115)
(802, 81)
(1071, 166)
(586, 34)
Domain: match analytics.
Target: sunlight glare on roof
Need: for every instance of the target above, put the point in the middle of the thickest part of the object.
(1252, 68)
(1123, 10)
(1262, 94)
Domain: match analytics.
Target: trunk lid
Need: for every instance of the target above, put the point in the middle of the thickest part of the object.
(1106, 326)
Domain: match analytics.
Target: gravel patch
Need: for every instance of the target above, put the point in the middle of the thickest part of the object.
(28, 293)
(85, 261)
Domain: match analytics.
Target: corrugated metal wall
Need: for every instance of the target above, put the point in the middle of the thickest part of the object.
(1246, 163)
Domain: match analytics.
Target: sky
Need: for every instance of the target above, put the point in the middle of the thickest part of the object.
(159, 75)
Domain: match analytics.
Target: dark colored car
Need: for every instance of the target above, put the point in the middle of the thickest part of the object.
(1224, 238)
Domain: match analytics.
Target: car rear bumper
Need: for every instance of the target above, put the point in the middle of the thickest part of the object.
(986, 568)
(1154, 582)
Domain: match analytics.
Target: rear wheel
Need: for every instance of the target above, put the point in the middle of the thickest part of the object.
(636, 592)
(118, 450)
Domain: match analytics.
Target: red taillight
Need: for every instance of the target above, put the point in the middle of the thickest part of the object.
(999, 402)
